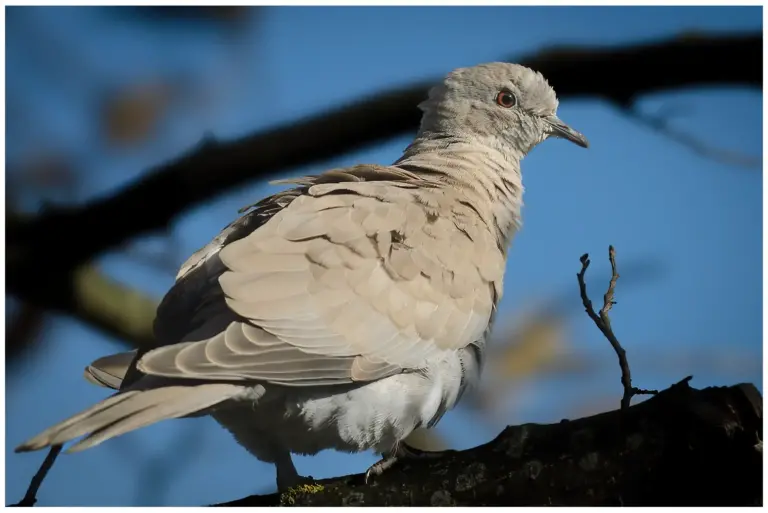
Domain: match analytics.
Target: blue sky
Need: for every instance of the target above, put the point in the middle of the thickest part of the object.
(653, 199)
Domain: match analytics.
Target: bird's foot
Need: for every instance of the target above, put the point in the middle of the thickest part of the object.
(402, 452)
(380, 466)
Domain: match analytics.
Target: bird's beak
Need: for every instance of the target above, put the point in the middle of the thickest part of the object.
(559, 129)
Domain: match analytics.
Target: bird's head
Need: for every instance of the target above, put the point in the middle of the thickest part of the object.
(506, 105)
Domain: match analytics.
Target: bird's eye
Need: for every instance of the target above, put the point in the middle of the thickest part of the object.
(506, 99)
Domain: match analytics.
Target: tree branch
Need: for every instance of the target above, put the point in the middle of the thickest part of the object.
(704, 148)
(618, 74)
(681, 447)
(23, 330)
(113, 308)
(603, 322)
(30, 498)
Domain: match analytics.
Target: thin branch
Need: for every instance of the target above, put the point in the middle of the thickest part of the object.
(603, 322)
(30, 498)
(698, 146)
(608, 301)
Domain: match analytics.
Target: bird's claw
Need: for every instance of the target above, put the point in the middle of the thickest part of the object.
(403, 452)
(380, 466)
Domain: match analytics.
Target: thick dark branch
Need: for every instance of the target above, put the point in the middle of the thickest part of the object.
(78, 234)
(621, 74)
(681, 447)
(23, 330)
(114, 309)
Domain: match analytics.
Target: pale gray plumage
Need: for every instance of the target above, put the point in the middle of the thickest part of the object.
(352, 308)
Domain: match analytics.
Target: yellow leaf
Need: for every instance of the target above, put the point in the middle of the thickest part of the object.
(535, 345)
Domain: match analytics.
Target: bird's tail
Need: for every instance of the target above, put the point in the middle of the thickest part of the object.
(129, 410)
(109, 371)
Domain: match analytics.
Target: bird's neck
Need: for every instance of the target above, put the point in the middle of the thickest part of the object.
(489, 176)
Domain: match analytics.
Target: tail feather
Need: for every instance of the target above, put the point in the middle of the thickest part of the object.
(130, 410)
(109, 371)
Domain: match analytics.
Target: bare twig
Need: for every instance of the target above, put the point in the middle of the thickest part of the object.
(30, 498)
(603, 322)
(698, 146)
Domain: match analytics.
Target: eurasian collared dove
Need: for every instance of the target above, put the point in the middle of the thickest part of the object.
(352, 308)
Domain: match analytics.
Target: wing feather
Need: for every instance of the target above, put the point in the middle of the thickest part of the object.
(349, 281)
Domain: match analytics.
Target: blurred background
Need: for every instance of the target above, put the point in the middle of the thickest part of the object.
(96, 97)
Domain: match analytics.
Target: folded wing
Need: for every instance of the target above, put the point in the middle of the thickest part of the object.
(349, 282)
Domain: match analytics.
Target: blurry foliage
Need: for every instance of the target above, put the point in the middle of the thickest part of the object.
(131, 115)
(127, 311)
(538, 345)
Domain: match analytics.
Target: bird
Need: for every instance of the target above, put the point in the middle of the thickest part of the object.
(352, 307)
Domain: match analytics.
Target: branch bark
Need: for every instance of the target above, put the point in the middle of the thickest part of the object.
(618, 74)
(681, 447)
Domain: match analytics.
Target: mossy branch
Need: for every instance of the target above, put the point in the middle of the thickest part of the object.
(681, 447)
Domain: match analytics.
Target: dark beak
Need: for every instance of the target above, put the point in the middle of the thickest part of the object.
(559, 129)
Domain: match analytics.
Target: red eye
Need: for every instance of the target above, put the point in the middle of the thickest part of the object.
(506, 99)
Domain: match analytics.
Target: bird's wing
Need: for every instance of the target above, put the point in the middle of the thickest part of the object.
(350, 281)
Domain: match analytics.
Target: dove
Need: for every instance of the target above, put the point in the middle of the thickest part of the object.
(352, 307)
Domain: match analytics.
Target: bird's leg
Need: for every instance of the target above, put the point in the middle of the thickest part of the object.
(401, 452)
(287, 476)
(383, 464)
